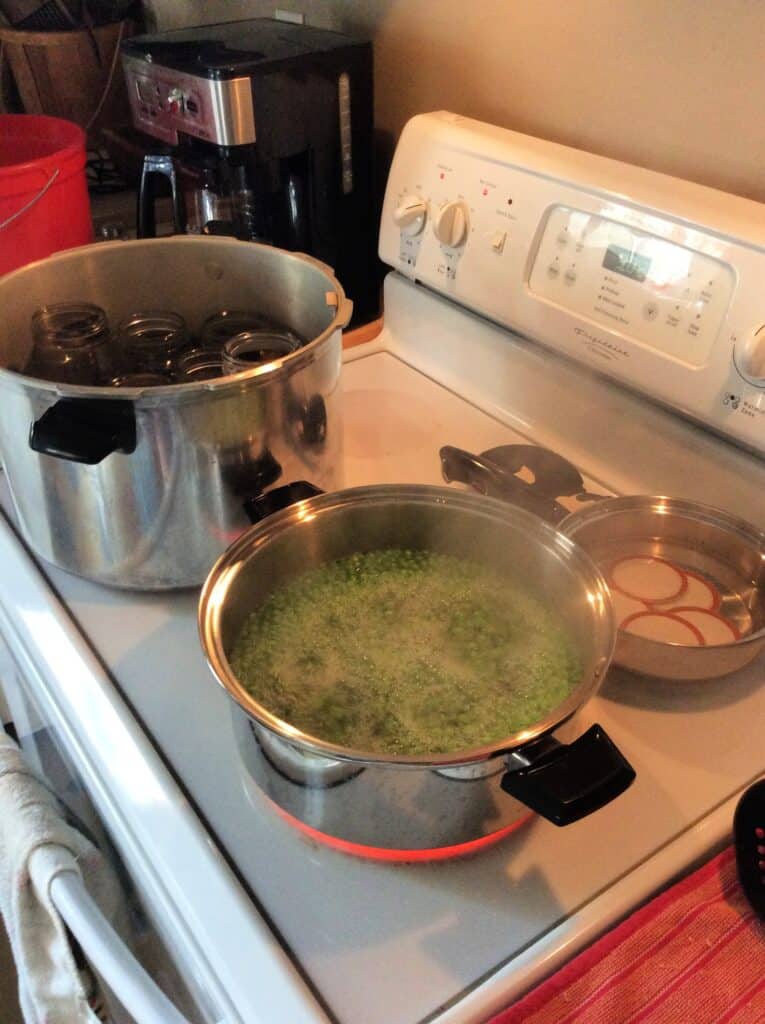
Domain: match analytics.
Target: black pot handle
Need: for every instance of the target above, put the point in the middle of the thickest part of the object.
(565, 782)
(85, 429)
(155, 166)
(280, 497)
(493, 480)
(310, 419)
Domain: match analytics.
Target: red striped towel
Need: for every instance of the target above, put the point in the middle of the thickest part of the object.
(693, 955)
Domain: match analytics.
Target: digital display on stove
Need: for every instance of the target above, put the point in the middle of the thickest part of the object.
(626, 262)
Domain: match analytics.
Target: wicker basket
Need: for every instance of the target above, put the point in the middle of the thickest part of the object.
(75, 74)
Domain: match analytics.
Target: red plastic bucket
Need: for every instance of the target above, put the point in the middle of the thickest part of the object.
(44, 203)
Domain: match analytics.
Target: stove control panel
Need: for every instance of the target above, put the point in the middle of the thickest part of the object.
(654, 281)
(661, 294)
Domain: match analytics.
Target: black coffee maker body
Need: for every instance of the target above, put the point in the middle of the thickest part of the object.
(267, 132)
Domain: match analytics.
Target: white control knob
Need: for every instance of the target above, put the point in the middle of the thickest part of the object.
(451, 224)
(411, 214)
(750, 358)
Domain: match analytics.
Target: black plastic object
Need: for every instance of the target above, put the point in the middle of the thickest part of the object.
(749, 834)
(279, 498)
(85, 429)
(157, 166)
(310, 421)
(553, 475)
(494, 472)
(565, 782)
(249, 478)
(496, 481)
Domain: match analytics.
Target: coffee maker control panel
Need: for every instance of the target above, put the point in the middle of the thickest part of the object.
(165, 102)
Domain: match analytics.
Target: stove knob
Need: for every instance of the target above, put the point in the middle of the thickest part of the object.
(411, 214)
(451, 224)
(750, 358)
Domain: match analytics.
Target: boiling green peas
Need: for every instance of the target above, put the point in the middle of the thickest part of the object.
(405, 652)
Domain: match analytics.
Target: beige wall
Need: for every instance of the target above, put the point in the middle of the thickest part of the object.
(676, 85)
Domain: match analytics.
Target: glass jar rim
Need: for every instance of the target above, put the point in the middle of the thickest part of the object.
(70, 325)
(280, 342)
(153, 329)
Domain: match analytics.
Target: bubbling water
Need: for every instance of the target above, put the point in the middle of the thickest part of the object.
(405, 652)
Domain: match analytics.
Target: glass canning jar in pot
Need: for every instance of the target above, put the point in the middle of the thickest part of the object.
(71, 344)
(254, 348)
(152, 341)
(220, 326)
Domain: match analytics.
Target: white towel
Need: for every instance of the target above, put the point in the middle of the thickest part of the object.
(35, 845)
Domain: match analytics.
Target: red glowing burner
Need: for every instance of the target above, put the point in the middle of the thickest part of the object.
(382, 853)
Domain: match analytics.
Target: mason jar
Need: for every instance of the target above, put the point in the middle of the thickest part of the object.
(152, 341)
(226, 323)
(251, 348)
(71, 344)
(199, 364)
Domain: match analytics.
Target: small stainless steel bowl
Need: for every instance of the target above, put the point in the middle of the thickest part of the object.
(726, 550)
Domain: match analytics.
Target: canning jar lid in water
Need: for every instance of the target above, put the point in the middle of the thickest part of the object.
(151, 341)
(71, 343)
(252, 348)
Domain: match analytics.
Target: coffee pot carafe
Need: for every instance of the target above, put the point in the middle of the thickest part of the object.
(205, 201)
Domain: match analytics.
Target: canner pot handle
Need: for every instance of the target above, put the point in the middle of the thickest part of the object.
(565, 782)
(85, 429)
(263, 505)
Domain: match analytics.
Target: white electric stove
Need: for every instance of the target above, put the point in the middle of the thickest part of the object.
(267, 925)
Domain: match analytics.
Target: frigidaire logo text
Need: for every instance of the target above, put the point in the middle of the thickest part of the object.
(602, 344)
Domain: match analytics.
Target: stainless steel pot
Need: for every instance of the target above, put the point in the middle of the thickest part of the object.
(145, 487)
(720, 547)
(726, 551)
(419, 802)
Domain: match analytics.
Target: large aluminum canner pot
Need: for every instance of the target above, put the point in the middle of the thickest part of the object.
(429, 802)
(145, 487)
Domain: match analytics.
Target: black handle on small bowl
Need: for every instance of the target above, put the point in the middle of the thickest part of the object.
(280, 497)
(156, 166)
(494, 481)
(85, 429)
(564, 782)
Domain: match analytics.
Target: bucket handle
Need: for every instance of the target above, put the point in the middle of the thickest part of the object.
(32, 201)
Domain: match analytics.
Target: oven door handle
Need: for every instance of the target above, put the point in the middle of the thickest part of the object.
(108, 954)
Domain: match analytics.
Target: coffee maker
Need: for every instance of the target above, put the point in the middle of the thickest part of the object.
(267, 132)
